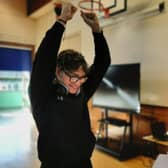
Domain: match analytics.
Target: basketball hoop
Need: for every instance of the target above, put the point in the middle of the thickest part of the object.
(93, 6)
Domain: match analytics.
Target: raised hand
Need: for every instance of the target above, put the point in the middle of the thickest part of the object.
(68, 11)
(92, 20)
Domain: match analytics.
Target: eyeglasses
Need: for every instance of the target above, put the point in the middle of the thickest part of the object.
(74, 78)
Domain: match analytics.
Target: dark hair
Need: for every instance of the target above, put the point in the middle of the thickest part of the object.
(70, 60)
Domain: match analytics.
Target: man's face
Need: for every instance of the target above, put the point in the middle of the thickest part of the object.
(72, 80)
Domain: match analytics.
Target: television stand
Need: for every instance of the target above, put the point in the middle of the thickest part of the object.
(120, 149)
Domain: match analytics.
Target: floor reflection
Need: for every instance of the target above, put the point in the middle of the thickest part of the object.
(17, 139)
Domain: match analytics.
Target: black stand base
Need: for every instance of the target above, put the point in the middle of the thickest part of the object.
(113, 148)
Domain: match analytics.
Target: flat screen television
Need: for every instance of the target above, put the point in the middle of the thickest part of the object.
(120, 89)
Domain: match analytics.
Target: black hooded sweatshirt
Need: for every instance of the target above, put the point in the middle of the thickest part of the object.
(62, 120)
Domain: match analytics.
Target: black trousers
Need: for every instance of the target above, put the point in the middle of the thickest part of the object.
(85, 164)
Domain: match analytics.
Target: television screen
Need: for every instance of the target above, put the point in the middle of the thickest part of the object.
(120, 88)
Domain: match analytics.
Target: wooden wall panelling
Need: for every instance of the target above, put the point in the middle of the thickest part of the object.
(141, 122)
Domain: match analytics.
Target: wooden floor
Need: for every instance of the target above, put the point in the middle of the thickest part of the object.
(102, 160)
(18, 138)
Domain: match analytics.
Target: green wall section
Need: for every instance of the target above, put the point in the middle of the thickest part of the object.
(11, 99)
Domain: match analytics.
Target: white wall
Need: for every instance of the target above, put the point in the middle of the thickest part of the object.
(143, 38)
(15, 26)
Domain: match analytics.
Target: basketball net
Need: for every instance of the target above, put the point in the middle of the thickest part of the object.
(93, 6)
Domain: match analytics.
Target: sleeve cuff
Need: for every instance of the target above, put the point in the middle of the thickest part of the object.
(62, 22)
